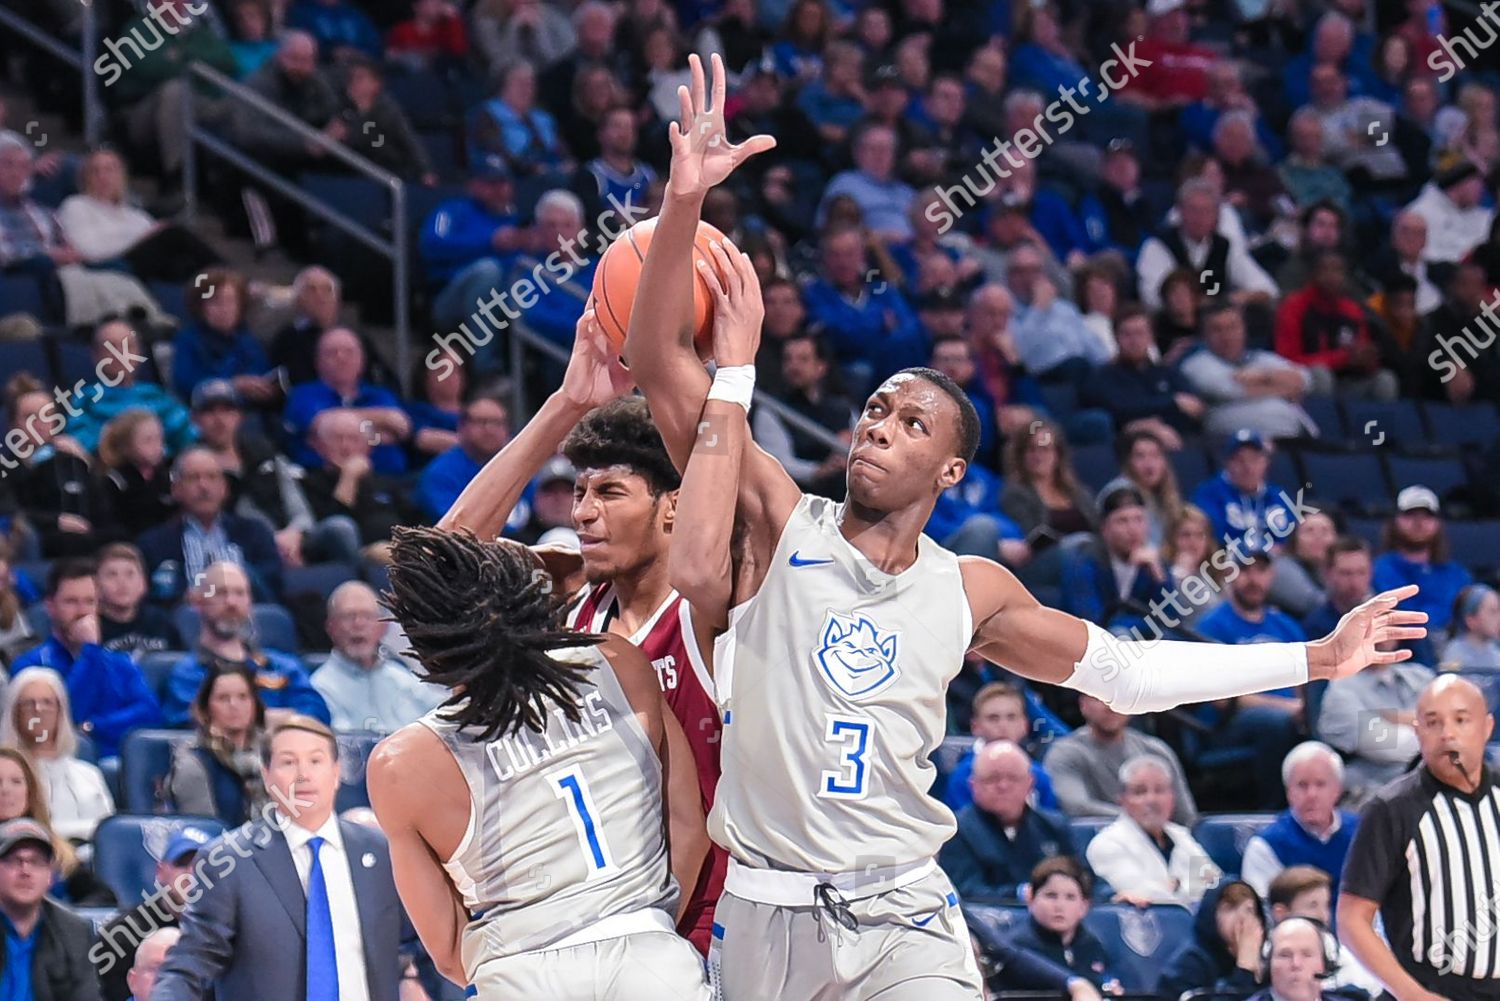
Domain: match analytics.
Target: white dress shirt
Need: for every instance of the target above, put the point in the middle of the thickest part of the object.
(348, 943)
(1156, 261)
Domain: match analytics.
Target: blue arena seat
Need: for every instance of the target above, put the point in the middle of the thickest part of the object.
(145, 759)
(992, 923)
(1472, 424)
(126, 850)
(1325, 412)
(423, 96)
(1191, 464)
(1095, 464)
(1476, 544)
(946, 756)
(1355, 481)
(1083, 829)
(23, 356)
(354, 753)
(1443, 474)
(97, 916)
(75, 361)
(1368, 529)
(1283, 471)
(316, 578)
(1396, 424)
(22, 294)
(1139, 941)
(157, 667)
(1225, 835)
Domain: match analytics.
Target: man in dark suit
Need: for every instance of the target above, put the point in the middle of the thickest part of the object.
(204, 533)
(298, 905)
(1001, 837)
(46, 955)
(1120, 566)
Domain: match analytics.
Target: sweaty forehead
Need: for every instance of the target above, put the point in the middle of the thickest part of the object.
(908, 389)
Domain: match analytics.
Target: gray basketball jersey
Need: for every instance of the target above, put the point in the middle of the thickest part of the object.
(831, 682)
(565, 826)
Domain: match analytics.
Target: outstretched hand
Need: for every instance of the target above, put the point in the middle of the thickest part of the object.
(595, 374)
(1363, 632)
(702, 155)
(738, 307)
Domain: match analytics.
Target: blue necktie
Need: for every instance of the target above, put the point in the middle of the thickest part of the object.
(322, 960)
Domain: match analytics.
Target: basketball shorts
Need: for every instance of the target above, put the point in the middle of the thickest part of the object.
(650, 964)
(905, 942)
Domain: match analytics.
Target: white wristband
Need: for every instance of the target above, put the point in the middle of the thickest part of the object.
(735, 384)
(1145, 677)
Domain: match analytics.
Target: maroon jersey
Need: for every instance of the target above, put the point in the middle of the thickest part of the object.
(667, 639)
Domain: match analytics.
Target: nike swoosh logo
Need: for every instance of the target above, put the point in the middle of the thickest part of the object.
(798, 561)
(923, 923)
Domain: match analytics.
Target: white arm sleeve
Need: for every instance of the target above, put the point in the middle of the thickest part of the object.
(1133, 677)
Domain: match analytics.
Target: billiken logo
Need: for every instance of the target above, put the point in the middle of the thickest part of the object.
(856, 656)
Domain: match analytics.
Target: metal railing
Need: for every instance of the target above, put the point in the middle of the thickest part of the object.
(81, 60)
(396, 248)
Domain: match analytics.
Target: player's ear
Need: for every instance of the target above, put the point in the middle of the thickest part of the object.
(668, 512)
(952, 472)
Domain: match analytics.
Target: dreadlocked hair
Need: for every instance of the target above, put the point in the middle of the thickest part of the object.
(483, 619)
(621, 433)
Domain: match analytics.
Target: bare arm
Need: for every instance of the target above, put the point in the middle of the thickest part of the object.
(682, 801)
(593, 377)
(1356, 925)
(403, 808)
(1016, 631)
(659, 345)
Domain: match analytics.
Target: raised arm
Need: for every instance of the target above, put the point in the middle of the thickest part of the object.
(436, 910)
(1016, 631)
(593, 377)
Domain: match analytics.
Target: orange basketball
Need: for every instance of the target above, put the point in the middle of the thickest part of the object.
(619, 273)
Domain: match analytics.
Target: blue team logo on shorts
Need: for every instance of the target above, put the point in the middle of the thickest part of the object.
(856, 656)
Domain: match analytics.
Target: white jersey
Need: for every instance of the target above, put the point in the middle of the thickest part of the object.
(831, 682)
(565, 826)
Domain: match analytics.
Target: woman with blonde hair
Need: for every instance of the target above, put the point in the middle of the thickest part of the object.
(110, 232)
(1144, 465)
(38, 721)
(137, 477)
(22, 795)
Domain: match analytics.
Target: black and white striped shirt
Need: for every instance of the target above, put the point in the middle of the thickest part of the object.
(1430, 856)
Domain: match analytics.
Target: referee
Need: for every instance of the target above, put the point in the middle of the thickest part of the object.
(1427, 857)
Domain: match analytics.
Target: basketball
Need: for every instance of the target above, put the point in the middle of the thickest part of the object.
(619, 272)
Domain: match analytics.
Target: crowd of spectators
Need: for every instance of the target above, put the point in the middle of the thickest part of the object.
(1162, 310)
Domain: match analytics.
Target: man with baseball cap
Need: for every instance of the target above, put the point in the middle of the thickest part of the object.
(1418, 554)
(468, 242)
(1265, 724)
(46, 954)
(121, 937)
(265, 483)
(1239, 502)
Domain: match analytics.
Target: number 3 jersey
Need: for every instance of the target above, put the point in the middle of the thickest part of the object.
(830, 681)
(565, 825)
